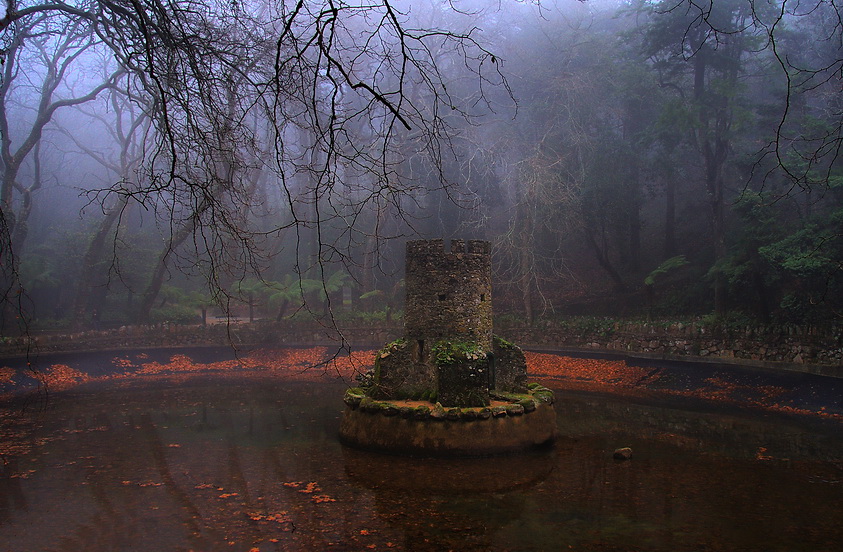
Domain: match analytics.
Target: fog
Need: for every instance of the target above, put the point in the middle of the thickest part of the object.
(625, 158)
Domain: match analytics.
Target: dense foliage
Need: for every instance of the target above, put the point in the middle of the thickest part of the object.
(626, 158)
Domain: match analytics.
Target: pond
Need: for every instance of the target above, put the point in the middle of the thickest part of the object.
(217, 463)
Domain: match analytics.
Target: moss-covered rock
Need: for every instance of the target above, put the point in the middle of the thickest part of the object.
(514, 410)
(421, 412)
(353, 397)
(368, 404)
(449, 351)
(438, 412)
(528, 404)
(498, 411)
(468, 414)
(544, 395)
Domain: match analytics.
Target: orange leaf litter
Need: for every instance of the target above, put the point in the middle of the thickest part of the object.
(317, 364)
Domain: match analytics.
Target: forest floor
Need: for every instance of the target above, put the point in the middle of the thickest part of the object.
(658, 381)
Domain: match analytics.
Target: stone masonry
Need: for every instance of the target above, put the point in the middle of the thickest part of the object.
(448, 352)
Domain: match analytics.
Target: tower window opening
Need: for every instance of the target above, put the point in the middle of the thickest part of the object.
(482, 297)
(442, 296)
(421, 350)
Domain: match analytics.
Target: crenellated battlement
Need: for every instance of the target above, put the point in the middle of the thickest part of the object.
(437, 247)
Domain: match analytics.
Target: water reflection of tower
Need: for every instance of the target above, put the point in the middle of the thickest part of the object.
(471, 500)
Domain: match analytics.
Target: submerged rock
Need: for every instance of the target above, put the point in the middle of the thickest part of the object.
(624, 453)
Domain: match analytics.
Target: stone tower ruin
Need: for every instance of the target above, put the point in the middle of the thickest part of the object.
(448, 352)
(448, 293)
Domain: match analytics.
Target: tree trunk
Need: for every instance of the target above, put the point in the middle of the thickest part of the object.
(281, 310)
(154, 287)
(670, 219)
(527, 286)
(635, 238)
(715, 157)
(605, 263)
(81, 302)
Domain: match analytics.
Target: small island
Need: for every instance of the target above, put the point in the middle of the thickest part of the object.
(449, 387)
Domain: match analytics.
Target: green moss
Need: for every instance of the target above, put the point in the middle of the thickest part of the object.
(503, 343)
(509, 397)
(449, 352)
(537, 394)
(528, 404)
(393, 346)
(544, 395)
(468, 414)
(514, 410)
(368, 404)
(498, 411)
(421, 412)
(387, 350)
(353, 397)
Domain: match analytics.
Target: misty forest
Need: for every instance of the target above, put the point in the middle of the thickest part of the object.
(422, 275)
(643, 159)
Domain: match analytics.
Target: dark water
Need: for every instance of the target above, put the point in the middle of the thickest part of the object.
(217, 466)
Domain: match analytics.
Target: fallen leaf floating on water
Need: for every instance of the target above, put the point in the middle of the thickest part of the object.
(60, 377)
(310, 488)
(6, 374)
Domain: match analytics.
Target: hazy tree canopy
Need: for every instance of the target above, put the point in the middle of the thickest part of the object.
(161, 157)
(316, 103)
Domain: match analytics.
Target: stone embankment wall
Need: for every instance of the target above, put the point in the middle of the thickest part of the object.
(258, 334)
(789, 349)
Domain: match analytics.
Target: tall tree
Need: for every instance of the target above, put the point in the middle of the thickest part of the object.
(126, 122)
(38, 58)
(699, 51)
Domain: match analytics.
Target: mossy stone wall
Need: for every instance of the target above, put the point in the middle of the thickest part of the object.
(510, 370)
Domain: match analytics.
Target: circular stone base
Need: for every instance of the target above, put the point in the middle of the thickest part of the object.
(442, 437)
